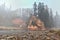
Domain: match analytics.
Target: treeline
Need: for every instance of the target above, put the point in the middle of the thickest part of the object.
(57, 20)
(44, 14)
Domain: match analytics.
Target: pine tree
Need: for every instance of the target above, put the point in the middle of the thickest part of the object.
(51, 18)
(46, 16)
(35, 8)
(40, 11)
(56, 20)
(43, 13)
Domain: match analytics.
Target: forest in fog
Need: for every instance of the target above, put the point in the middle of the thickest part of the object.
(40, 10)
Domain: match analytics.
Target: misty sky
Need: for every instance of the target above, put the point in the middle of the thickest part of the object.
(54, 4)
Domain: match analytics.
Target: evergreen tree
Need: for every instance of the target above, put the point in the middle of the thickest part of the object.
(56, 20)
(43, 13)
(40, 11)
(51, 18)
(35, 8)
(46, 16)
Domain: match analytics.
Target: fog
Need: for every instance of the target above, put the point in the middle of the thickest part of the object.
(10, 17)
